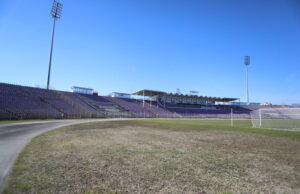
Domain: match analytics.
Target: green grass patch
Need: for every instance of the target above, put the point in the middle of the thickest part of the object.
(240, 126)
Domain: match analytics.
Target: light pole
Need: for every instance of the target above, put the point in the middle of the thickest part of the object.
(247, 63)
(55, 13)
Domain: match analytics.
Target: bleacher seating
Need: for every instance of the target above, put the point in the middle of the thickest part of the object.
(25, 102)
(96, 98)
(158, 111)
(219, 111)
(105, 106)
(82, 104)
(133, 106)
(20, 102)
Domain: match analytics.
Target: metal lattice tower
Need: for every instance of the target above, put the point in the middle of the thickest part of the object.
(56, 14)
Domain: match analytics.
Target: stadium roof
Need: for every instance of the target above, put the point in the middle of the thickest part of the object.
(149, 93)
(160, 93)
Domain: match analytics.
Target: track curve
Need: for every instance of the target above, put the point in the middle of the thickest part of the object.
(14, 137)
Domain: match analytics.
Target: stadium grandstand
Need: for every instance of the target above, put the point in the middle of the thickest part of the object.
(22, 102)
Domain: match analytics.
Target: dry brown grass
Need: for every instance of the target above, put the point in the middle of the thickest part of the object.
(114, 158)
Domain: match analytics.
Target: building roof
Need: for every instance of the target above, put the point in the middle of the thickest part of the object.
(81, 88)
(160, 93)
(120, 93)
(149, 93)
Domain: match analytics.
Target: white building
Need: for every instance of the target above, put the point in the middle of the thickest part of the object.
(81, 90)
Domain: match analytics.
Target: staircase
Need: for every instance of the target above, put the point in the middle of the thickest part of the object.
(82, 112)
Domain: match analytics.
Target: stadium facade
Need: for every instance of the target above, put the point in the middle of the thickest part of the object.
(21, 102)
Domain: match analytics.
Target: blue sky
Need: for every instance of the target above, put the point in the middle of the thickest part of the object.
(128, 45)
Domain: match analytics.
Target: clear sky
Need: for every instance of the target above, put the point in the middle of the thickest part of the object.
(128, 45)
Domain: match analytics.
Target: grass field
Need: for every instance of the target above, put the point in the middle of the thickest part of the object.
(292, 124)
(159, 156)
(21, 121)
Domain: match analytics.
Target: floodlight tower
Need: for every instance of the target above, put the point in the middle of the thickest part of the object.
(55, 13)
(247, 63)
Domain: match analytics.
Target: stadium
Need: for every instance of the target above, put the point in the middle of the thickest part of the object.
(120, 128)
(19, 102)
(154, 136)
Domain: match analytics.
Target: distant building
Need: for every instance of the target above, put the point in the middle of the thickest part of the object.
(266, 104)
(275, 105)
(244, 103)
(120, 95)
(281, 106)
(81, 90)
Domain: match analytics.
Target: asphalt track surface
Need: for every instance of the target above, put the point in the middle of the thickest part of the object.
(14, 137)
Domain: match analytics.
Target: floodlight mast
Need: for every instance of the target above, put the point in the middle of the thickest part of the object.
(247, 63)
(56, 14)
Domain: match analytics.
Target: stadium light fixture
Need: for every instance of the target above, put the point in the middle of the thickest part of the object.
(247, 63)
(56, 14)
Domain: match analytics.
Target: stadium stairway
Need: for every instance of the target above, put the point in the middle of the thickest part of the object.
(89, 110)
(105, 106)
(133, 106)
(158, 111)
(81, 111)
